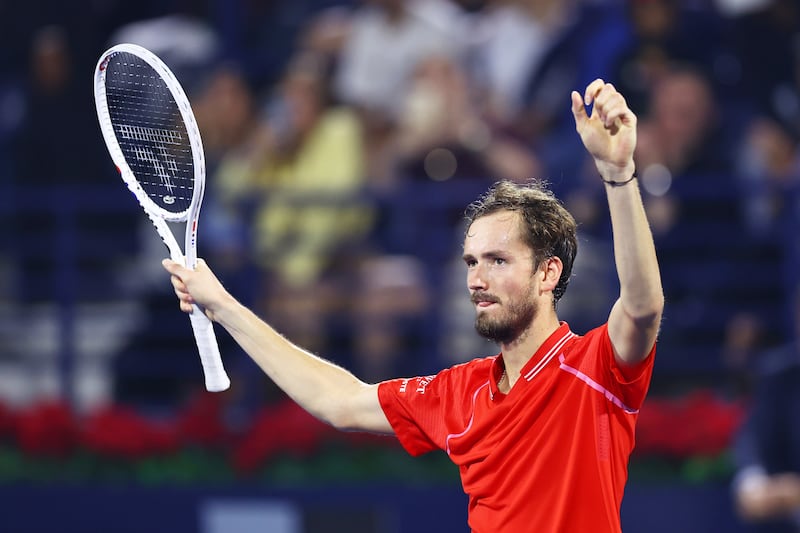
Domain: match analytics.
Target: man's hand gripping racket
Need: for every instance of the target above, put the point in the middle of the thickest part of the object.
(152, 136)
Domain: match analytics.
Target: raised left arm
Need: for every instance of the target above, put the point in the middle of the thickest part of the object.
(609, 135)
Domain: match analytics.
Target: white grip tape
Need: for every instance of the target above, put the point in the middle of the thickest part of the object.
(216, 378)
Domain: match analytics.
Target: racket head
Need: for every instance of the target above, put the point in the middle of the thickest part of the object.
(150, 132)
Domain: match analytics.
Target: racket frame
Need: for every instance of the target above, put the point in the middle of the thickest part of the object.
(157, 214)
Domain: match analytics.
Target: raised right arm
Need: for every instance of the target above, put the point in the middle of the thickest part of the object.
(327, 391)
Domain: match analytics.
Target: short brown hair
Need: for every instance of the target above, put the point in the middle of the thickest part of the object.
(548, 228)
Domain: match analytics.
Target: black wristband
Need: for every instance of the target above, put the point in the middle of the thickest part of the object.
(620, 183)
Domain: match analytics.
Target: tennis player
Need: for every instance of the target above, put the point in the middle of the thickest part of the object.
(541, 432)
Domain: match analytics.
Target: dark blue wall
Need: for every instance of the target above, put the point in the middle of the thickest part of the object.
(371, 509)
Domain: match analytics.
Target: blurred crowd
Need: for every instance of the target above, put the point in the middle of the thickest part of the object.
(344, 138)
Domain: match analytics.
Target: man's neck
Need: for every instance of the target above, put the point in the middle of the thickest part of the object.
(516, 354)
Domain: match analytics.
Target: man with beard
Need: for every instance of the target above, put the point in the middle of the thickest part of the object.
(542, 431)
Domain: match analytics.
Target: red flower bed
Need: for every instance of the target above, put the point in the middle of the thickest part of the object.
(696, 424)
(46, 429)
(285, 428)
(121, 432)
(699, 423)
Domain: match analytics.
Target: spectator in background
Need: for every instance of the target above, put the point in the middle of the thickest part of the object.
(744, 336)
(225, 107)
(680, 140)
(386, 40)
(514, 39)
(663, 33)
(58, 141)
(681, 127)
(58, 144)
(767, 449)
(298, 174)
(227, 115)
(526, 53)
(768, 169)
(766, 43)
(443, 132)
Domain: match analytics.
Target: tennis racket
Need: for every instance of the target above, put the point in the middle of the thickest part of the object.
(153, 139)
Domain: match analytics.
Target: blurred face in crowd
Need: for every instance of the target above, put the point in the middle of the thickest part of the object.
(683, 106)
(302, 94)
(225, 109)
(50, 59)
(653, 19)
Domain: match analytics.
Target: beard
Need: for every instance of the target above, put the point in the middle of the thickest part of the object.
(509, 325)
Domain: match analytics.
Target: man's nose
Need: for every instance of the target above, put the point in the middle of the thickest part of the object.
(476, 278)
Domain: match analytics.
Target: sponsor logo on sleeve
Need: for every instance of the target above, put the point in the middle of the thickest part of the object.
(421, 384)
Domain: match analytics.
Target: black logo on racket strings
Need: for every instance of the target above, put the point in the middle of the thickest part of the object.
(157, 138)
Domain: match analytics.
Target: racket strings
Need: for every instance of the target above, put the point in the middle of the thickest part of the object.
(150, 130)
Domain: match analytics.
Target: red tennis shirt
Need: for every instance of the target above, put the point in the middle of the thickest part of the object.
(549, 456)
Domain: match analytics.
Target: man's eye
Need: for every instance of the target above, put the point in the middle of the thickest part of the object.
(499, 261)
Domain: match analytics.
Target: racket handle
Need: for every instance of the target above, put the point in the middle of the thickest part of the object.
(216, 378)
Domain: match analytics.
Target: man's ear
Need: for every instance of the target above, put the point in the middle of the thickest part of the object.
(550, 269)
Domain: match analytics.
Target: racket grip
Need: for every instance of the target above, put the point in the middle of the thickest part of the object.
(216, 378)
